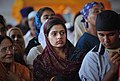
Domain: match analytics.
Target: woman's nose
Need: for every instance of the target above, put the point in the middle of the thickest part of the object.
(59, 35)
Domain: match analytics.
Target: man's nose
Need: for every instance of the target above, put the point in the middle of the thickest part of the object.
(106, 39)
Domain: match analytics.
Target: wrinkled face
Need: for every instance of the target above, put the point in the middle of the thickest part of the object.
(57, 36)
(91, 18)
(46, 15)
(17, 37)
(110, 39)
(6, 51)
(2, 30)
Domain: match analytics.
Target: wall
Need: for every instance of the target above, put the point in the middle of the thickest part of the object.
(6, 6)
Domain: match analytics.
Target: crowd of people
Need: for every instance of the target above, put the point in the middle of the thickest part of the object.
(45, 47)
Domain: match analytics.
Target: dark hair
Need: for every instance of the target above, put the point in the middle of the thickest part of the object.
(53, 21)
(41, 10)
(5, 37)
(2, 21)
(37, 21)
(61, 17)
(102, 5)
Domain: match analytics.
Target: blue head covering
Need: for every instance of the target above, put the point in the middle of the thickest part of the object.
(87, 7)
(37, 22)
(85, 11)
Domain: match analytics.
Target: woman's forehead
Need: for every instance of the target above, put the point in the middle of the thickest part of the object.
(57, 27)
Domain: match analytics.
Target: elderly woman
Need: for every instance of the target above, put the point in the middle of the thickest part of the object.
(10, 70)
(59, 58)
(16, 35)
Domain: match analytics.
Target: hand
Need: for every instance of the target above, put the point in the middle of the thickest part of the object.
(114, 59)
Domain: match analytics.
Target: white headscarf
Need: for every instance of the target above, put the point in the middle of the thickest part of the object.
(41, 37)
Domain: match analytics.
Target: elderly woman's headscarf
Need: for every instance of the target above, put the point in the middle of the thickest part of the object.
(15, 28)
(37, 21)
(85, 10)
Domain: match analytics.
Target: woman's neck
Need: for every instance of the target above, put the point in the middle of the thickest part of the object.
(7, 66)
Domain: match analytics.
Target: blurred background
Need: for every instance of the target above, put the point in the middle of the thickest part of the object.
(10, 8)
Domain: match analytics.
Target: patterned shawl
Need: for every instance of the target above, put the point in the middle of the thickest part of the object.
(49, 64)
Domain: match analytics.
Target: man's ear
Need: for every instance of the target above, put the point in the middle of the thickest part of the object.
(86, 20)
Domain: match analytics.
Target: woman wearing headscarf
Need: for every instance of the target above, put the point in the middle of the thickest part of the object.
(42, 15)
(17, 36)
(89, 39)
(59, 58)
(9, 69)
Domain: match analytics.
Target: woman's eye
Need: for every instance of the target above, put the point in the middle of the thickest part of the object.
(4, 49)
(46, 17)
(13, 36)
(54, 34)
(62, 33)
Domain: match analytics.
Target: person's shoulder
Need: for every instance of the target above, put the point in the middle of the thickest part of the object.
(38, 59)
(35, 51)
(83, 38)
(78, 50)
(20, 66)
(77, 53)
(32, 40)
(95, 52)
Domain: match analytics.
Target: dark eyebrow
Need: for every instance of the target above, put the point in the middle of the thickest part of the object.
(46, 15)
(49, 15)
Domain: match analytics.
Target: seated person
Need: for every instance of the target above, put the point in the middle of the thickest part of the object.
(59, 57)
(89, 38)
(9, 69)
(17, 36)
(102, 62)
